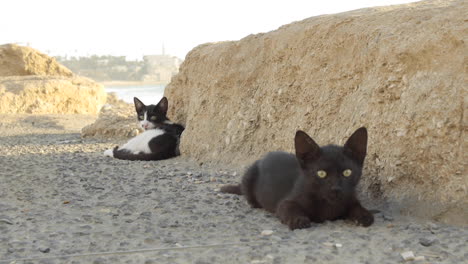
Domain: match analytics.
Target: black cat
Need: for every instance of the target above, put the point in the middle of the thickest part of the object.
(317, 184)
(160, 140)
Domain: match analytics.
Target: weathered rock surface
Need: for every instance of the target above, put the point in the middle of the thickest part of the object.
(399, 70)
(32, 82)
(51, 95)
(19, 61)
(117, 120)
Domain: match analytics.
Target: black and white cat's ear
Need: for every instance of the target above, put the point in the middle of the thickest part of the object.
(139, 106)
(357, 145)
(306, 148)
(163, 104)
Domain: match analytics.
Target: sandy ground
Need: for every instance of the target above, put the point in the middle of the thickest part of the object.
(62, 201)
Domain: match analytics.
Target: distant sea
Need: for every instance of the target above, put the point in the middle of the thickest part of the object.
(147, 93)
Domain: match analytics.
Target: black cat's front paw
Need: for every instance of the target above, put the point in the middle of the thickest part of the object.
(297, 222)
(364, 218)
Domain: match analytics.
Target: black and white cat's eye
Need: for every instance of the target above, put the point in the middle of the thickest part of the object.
(153, 118)
(321, 174)
(347, 173)
(141, 117)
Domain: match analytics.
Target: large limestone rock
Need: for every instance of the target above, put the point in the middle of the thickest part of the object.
(32, 82)
(399, 70)
(117, 120)
(18, 61)
(50, 95)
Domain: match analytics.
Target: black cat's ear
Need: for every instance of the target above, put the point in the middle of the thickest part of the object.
(357, 145)
(163, 104)
(139, 106)
(306, 148)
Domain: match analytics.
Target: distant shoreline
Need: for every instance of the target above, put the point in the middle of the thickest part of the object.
(130, 83)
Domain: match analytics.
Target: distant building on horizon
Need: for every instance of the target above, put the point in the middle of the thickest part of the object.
(152, 69)
(160, 68)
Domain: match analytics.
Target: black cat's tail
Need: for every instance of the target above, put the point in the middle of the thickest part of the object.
(248, 185)
(234, 189)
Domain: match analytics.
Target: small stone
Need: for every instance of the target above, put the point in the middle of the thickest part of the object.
(105, 210)
(419, 258)
(432, 226)
(407, 255)
(257, 261)
(277, 238)
(267, 232)
(5, 221)
(426, 241)
(387, 217)
(44, 250)
(328, 244)
(168, 240)
(413, 227)
(407, 242)
(338, 245)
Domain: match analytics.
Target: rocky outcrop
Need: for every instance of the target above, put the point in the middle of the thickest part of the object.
(19, 61)
(117, 120)
(50, 95)
(32, 82)
(398, 70)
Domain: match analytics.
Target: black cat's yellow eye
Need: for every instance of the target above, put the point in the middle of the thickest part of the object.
(347, 173)
(141, 117)
(322, 174)
(153, 118)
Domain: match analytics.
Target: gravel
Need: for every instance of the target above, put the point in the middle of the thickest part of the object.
(67, 203)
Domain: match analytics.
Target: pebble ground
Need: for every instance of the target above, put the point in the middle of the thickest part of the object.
(62, 201)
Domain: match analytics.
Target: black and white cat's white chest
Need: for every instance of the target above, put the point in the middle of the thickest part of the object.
(160, 139)
(143, 142)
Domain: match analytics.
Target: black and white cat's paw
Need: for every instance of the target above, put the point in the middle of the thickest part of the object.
(110, 152)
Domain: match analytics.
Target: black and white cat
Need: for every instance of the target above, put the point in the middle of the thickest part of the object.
(160, 140)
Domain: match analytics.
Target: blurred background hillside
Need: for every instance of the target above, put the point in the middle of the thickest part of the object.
(153, 68)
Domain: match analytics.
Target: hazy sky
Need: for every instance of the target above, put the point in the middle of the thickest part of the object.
(136, 27)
